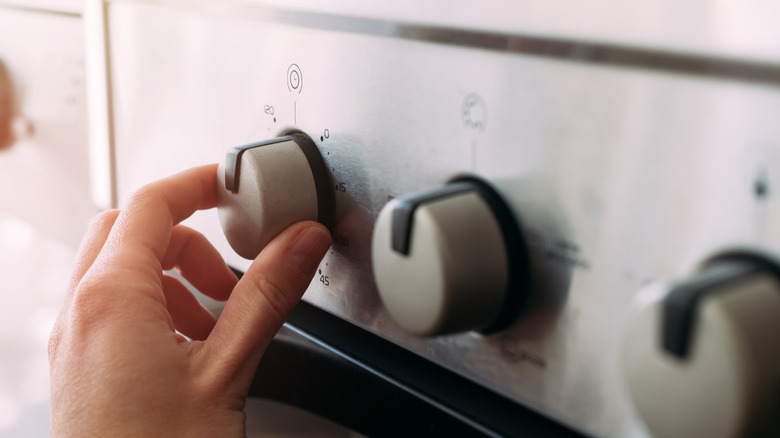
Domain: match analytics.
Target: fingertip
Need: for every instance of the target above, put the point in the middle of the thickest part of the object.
(308, 248)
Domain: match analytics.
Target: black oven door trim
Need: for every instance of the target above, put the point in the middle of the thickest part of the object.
(379, 389)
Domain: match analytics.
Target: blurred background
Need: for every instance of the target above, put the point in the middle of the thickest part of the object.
(45, 202)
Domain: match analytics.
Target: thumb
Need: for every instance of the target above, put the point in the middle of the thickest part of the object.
(265, 296)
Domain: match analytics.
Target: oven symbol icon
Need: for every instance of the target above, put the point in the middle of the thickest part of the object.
(294, 79)
(474, 112)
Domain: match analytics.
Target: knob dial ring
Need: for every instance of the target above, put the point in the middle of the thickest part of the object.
(269, 185)
(451, 259)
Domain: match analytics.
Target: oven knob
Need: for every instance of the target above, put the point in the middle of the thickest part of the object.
(451, 259)
(267, 186)
(702, 357)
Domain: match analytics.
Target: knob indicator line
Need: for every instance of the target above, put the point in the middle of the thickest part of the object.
(404, 209)
(233, 161)
(680, 303)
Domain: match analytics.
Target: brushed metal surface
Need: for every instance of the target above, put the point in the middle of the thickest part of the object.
(620, 175)
(728, 29)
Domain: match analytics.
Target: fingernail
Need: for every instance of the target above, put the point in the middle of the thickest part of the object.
(308, 248)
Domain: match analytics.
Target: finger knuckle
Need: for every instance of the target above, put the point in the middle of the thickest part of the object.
(104, 218)
(142, 197)
(91, 304)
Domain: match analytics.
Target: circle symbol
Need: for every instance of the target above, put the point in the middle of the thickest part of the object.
(294, 79)
(474, 112)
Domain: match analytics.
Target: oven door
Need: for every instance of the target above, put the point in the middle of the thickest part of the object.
(324, 366)
(324, 376)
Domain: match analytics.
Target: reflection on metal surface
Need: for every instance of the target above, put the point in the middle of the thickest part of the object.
(270, 419)
(280, 399)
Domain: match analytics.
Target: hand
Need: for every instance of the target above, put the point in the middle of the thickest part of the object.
(118, 367)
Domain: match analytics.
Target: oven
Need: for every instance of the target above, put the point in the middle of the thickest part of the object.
(598, 182)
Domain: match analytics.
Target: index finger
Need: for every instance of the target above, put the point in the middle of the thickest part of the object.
(145, 224)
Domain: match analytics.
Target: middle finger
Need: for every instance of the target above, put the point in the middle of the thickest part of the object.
(199, 262)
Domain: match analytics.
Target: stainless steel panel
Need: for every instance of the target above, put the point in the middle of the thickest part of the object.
(620, 174)
(729, 29)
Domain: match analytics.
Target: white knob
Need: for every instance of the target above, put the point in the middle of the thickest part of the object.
(702, 358)
(450, 260)
(267, 186)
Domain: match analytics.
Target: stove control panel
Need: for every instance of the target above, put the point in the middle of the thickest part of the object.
(620, 166)
(450, 259)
